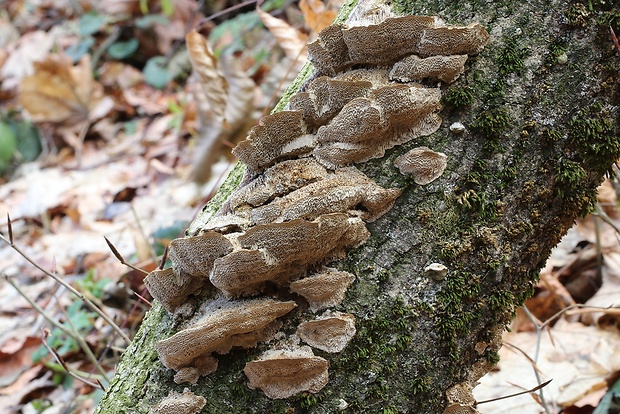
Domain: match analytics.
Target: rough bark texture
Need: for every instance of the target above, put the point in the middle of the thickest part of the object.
(540, 104)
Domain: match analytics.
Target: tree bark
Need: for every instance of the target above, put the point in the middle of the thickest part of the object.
(540, 107)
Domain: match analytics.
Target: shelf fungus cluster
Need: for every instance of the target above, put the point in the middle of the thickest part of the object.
(303, 204)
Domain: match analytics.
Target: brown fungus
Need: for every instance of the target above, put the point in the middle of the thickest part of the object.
(277, 137)
(220, 330)
(424, 164)
(366, 127)
(326, 97)
(346, 190)
(176, 403)
(324, 289)
(413, 68)
(453, 40)
(337, 48)
(195, 255)
(280, 251)
(164, 286)
(284, 373)
(331, 332)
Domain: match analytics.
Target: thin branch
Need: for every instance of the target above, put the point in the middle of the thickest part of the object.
(64, 364)
(71, 289)
(538, 387)
(71, 333)
(8, 220)
(122, 259)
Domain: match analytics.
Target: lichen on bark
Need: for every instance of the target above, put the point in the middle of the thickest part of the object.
(540, 134)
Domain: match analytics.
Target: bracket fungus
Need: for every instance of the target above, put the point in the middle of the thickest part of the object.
(331, 332)
(424, 164)
(436, 271)
(177, 403)
(324, 289)
(220, 330)
(303, 204)
(284, 373)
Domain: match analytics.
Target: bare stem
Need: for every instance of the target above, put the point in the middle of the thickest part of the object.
(71, 333)
(71, 289)
(64, 364)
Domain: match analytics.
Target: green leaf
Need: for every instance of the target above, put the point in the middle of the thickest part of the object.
(155, 72)
(8, 145)
(28, 140)
(79, 49)
(610, 403)
(122, 50)
(91, 23)
(167, 7)
(150, 20)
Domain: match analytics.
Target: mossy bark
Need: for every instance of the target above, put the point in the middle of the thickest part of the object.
(541, 108)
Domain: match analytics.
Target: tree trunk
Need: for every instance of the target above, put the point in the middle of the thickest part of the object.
(540, 107)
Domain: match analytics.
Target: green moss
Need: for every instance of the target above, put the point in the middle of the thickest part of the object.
(422, 384)
(492, 356)
(577, 15)
(492, 124)
(456, 309)
(501, 300)
(593, 135)
(510, 58)
(459, 97)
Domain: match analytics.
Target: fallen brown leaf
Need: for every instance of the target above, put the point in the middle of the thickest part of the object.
(62, 93)
(316, 15)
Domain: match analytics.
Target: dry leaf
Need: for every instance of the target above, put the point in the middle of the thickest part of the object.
(63, 93)
(205, 65)
(31, 47)
(291, 40)
(579, 362)
(237, 113)
(316, 15)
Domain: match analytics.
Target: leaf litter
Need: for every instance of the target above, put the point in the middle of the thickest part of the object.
(110, 126)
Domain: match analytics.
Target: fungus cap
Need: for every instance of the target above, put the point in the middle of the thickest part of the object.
(424, 164)
(284, 373)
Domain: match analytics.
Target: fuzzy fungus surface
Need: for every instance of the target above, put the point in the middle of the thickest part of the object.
(284, 373)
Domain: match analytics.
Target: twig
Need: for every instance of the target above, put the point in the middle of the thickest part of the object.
(84, 345)
(539, 329)
(121, 258)
(225, 11)
(538, 387)
(75, 335)
(109, 41)
(603, 216)
(164, 257)
(71, 289)
(64, 364)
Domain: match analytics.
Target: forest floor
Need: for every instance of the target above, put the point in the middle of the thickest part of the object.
(103, 126)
